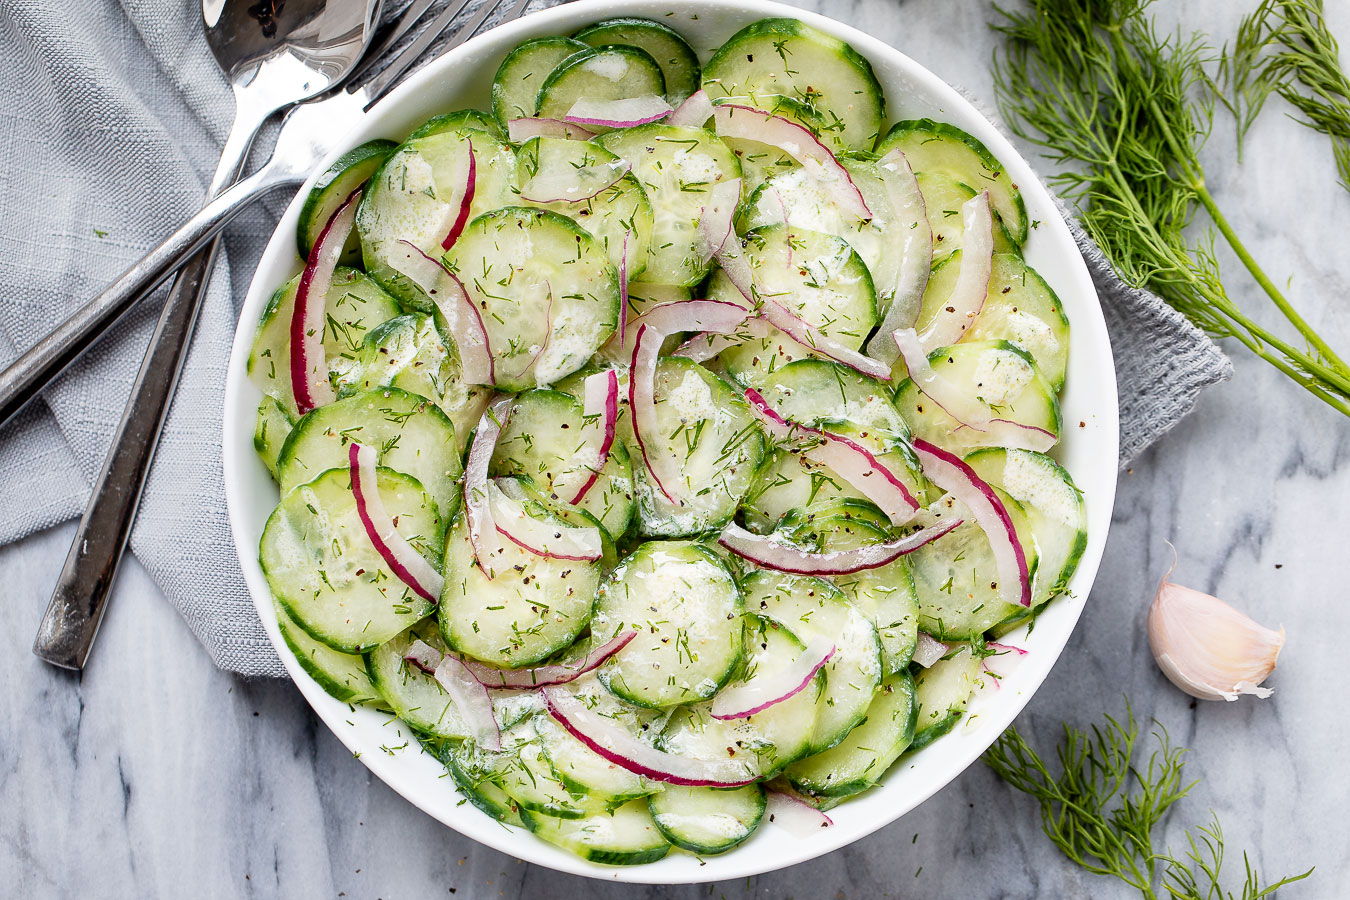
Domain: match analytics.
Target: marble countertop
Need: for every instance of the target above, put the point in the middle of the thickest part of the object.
(154, 772)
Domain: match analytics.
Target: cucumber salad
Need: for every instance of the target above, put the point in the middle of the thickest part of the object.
(666, 446)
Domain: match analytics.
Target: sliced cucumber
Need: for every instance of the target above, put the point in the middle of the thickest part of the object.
(615, 72)
(324, 570)
(707, 820)
(686, 609)
(936, 147)
(957, 578)
(942, 693)
(943, 197)
(416, 697)
(270, 430)
(351, 170)
(462, 121)
(547, 293)
(812, 390)
(409, 353)
(523, 774)
(677, 167)
(411, 434)
(858, 762)
(354, 304)
(581, 769)
(785, 57)
(515, 89)
(817, 277)
(760, 161)
(678, 61)
(712, 439)
(1001, 376)
(617, 216)
(343, 675)
(541, 442)
(487, 795)
(625, 837)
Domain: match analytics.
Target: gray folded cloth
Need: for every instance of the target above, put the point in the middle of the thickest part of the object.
(111, 119)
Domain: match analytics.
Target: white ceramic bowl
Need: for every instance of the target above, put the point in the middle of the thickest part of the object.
(1089, 449)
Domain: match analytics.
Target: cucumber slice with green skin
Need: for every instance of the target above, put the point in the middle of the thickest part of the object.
(625, 837)
(791, 480)
(686, 608)
(351, 170)
(785, 57)
(416, 697)
(769, 740)
(487, 796)
(618, 210)
(810, 525)
(520, 770)
(354, 304)
(937, 147)
(710, 437)
(462, 121)
(957, 577)
(707, 820)
(813, 608)
(323, 569)
(858, 762)
(942, 693)
(677, 167)
(943, 197)
(583, 771)
(812, 390)
(541, 442)
(678, 61)
(534, 607)
(759, 161)
(270, 431)
(816, 276)
(1003, 376)
(410, 353)
(342, 675)
(1019, 307)
(546, 291)
(410, 433)
(515, 88)
(1053, 506)
(614, 72)
(414, 197)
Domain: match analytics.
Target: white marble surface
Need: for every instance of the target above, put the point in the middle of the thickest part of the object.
(154, 774)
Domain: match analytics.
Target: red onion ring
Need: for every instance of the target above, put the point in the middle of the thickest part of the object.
(763, 691)
(465, 201)
(422, 656)
(472, 701)
(911, 222)
(546, 676)
(521, 130)
(929, 650)
(410, 566)
(972, 284)
(626, 113)
(704, 346)
(483, 531)
(601, 403)
(794, 815)
(767, 553)
(715, 225)
(309, 365)
(614, 743)
(541, 538)
(950, 473)
(694, 112)
(447, 292)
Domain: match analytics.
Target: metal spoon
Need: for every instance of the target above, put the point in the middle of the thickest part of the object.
(275, 53)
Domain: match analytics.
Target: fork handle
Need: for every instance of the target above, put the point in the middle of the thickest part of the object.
(25, 378)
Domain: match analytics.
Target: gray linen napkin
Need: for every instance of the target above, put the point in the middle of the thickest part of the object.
(111, 118)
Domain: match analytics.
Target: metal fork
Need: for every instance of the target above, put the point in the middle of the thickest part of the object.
(310, 131)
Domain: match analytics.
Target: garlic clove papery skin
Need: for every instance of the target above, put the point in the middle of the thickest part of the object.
(1207, 648)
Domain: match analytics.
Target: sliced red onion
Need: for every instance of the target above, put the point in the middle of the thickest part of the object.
(704, 346)
(657, 324)
(616, 744)
(694, 112)
(574, 184)
(483, 531)
(950, 473)
(545, 676)
(769, 553)
(911, 224)
(626, 113)
(756, 125)
(1008, 656)
(767, 689)
(465, 200)
(715, 224)
(601, 405)
(447, 292)
(521, 130)
(472, 701)
(850, 460)
(309, 365)
(929, 650)
(423, 656)
(972, 284)
(410, 566)
(538, 537)
(794, 815)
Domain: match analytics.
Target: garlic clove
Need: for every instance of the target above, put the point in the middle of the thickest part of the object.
(1206, 647)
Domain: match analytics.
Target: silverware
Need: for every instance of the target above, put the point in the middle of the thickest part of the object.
(273, 57)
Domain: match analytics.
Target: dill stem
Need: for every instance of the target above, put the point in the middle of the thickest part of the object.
(1314, 339)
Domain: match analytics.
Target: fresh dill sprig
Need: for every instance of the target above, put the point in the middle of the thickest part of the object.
(1126, 111)
(1102, 811)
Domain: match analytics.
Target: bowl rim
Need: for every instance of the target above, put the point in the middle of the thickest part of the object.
(1094, 444)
